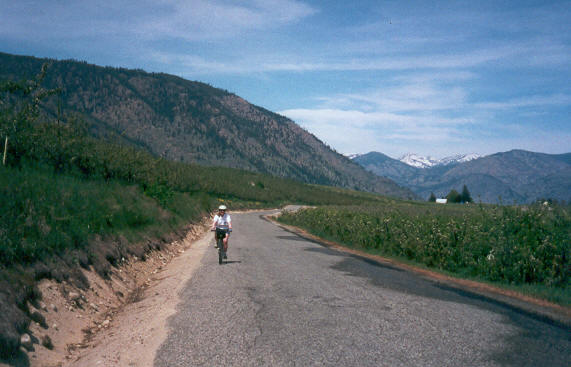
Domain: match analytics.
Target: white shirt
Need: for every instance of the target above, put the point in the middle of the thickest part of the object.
(222, 221)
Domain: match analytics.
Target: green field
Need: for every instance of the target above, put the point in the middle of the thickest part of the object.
(526, 247)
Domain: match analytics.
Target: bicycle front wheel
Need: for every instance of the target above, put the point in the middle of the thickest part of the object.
(220, 252)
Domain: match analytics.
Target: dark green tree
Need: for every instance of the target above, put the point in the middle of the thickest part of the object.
(19, 110)
(465, 196)
(454, 197)
(432, 198)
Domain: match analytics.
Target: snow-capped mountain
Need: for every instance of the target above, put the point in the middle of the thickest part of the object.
(515, 176)
(458, 158)
(419, 161)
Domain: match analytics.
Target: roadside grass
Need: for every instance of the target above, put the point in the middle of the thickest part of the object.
(69, 201)
(44, 214)
(53, 225)
(526, 249)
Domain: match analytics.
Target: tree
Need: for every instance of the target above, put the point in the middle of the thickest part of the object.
(465, 196)
(453, 196)
(432, 198)
(19, 110)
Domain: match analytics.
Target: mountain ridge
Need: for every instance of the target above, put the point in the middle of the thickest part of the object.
(514, 176)
(192, 122)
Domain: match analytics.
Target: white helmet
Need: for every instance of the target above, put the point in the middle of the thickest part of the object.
(222, 207)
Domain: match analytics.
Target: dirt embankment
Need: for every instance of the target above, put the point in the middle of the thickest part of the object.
(112, 322)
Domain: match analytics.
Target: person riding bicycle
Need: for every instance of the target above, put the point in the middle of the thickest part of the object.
(222, 223)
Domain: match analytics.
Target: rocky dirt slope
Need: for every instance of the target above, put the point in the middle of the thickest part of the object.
(94, 326)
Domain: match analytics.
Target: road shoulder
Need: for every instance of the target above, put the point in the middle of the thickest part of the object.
(140, 328)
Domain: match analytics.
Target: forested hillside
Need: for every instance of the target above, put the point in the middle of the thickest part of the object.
(71, 201)
(191, 122)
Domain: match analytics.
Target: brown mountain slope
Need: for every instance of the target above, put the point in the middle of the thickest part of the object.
(193, 122)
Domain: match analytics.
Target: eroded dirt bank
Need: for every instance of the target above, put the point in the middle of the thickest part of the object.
(116, 322)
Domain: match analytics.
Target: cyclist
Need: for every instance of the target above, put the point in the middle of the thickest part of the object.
(222, 221)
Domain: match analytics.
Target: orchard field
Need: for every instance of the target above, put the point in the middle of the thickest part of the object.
(522, 247)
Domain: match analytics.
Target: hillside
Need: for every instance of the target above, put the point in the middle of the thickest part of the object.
(73, 203)
(192, 122)
(517, 175)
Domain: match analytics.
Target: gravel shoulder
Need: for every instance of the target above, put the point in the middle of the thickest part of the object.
(119, 321)
(140, 327)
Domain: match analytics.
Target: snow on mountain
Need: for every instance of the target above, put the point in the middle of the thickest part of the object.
(419, 161)
(458, 158)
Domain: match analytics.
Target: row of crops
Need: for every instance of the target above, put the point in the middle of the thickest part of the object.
(512, 245)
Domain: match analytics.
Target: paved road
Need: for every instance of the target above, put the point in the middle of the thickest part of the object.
(284, 301)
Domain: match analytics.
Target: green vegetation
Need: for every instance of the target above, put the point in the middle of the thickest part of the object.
(45, 214)
(432, 198)
(517, 246)
(186, 121)
(70, 200)
(61, 187)
(455, 197)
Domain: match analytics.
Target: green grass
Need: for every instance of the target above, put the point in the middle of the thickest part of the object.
(43, 213)
(62, 188)
(523, 247)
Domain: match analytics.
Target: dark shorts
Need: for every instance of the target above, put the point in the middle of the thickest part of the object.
(221, 233)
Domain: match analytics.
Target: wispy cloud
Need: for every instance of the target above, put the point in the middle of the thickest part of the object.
(352, 131)
(295, 63)
(208, 19)
(528, 101)
(426, 116)
(403, 98)
(188, 20)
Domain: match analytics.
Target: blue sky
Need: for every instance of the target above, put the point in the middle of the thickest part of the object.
(430, 77)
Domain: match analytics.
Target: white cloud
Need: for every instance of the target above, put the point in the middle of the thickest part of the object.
(529, 101)
(359, 131)
(256, 63)
(352, 131)
(161, 19)
(411, 94)
(208, 19)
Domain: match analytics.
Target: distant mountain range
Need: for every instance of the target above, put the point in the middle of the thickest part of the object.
(419, 161)
(515, 176)
(190, 121)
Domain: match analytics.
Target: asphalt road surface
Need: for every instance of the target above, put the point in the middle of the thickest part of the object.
(282, 300)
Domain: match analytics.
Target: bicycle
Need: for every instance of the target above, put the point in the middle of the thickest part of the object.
(220, 234)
